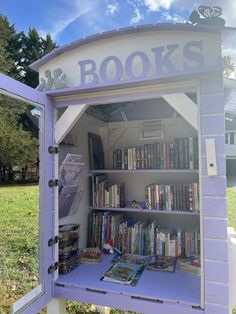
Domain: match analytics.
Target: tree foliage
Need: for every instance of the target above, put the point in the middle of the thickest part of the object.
(18, 136)
(229, 66)
(18, 147)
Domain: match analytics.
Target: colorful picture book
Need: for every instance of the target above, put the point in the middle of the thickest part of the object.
(162, 263)
(122, 273)
(91, 256)
(126, 269)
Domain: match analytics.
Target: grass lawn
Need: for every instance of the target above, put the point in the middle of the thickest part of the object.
(18, 243)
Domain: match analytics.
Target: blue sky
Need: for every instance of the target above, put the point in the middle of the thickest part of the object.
(68, 20)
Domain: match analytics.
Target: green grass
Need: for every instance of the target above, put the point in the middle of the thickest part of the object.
(231, 204)
(18, 243)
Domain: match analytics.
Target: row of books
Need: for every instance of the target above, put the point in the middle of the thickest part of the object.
(138, 237)
(172, 197)
(160, 197)
(181, 153)
(106, 194)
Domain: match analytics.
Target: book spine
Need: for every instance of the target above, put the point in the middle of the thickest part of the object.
(133, 158)
(186, 153)
(176, 149)
(181, 153)
(195, 151)
(191, 162)
(171, 155)
(126, 158)
(123, 158)
(138, 157)
(145, 156)
(157, 205)
(130, 158)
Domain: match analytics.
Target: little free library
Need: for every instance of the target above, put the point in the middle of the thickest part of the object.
(132, 171)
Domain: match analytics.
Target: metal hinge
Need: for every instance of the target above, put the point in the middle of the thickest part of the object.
(146, 299)
(53, 183)
(53, 268)
(53, 149)
(53, 241)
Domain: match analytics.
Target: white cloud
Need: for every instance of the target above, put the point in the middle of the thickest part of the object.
(175, 18)
(61, 18)
(156, 5)
(112, 8)
(229, 14)
(228, 7)
(138, 16)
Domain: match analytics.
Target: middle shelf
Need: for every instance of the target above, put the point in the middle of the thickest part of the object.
(142, 210)
(143, 171)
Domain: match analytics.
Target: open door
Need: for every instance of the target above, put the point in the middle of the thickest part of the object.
(33, 301)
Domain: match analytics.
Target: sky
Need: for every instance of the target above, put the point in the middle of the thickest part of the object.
(69, 20)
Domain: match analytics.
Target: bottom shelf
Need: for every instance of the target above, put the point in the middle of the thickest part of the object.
(178, 287)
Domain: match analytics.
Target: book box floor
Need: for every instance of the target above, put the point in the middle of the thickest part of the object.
(178, 287)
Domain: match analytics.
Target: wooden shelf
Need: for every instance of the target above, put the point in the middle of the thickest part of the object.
(141, 210)
(142, 171)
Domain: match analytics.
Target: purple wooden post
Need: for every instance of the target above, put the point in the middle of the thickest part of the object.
(212, 121)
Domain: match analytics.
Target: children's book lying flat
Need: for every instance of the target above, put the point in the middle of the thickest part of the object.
(162, 263)
(121, 273)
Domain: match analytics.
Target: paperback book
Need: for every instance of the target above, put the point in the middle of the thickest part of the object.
(162, 263)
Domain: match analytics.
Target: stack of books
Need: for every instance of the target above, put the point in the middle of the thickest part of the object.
(68, 247)
(126, 270)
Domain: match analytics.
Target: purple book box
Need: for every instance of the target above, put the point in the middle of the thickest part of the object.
(170, 74)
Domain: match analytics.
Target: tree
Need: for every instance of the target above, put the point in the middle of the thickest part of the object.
(33, 47)
(229, 66)
(20, 50)
(18, 136)
(18, 147)
(6, 63)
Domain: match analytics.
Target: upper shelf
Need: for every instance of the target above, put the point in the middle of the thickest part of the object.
(142, 171)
